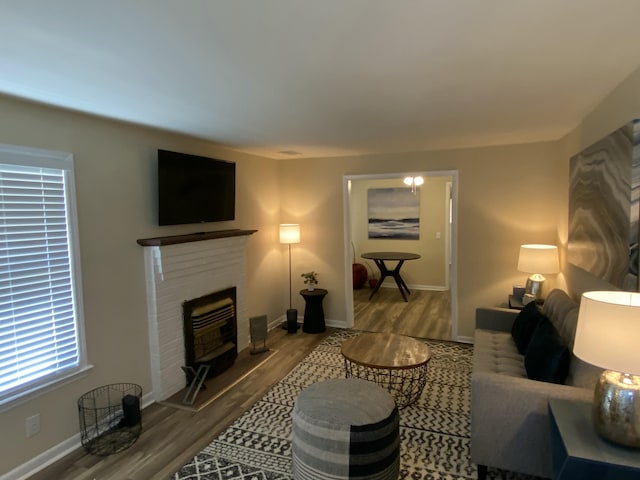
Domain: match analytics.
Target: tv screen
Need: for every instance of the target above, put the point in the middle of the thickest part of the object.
(194, 189)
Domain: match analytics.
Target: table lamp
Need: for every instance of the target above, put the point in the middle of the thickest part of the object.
(538, 259)
(608, 335)
(290, 233)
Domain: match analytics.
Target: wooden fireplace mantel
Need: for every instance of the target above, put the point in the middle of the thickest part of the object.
(192, 237)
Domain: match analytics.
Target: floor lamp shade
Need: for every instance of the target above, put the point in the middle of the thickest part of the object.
(608, 335)
(289, 234)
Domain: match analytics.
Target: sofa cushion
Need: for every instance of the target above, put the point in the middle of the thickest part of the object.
(524, 325)
(495, 352)
(547, 358)
(563, 313)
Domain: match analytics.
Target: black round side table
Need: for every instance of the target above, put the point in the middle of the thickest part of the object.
(313, 311)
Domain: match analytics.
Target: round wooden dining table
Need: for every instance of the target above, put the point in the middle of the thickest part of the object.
(380, 258)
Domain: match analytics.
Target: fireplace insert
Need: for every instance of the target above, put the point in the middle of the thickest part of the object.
(210, 332)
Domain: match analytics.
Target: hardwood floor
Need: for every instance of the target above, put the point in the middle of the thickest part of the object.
(427, 314)
(170, 437)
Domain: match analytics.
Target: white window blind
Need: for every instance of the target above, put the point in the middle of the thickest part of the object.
(39, 337)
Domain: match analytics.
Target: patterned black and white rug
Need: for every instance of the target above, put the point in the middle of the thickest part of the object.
(434, 431)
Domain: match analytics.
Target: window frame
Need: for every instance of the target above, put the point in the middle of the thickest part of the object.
(27, 156)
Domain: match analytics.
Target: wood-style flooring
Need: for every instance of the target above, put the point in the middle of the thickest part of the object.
(171, 437)
(427, 314)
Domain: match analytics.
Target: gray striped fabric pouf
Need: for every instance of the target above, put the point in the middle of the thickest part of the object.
(345, 428)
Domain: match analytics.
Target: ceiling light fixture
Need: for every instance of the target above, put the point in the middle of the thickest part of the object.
(413, 182)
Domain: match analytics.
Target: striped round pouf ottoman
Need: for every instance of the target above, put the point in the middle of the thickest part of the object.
(345, 428)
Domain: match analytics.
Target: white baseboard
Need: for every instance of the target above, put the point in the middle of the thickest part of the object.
(55, 453)
(462, 339)
(433, 288)
(282, 320)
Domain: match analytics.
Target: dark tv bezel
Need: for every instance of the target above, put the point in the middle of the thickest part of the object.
(195, 164)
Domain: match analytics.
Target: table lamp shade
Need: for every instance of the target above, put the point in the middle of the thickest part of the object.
(608, 331)
(535, 258)
(289, 233)
(608, 335)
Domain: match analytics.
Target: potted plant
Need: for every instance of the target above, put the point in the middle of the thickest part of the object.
(310, 279)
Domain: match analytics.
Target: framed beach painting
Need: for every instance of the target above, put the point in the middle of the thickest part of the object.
(393, 213)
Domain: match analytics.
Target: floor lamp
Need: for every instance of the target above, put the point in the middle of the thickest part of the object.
(290, 233)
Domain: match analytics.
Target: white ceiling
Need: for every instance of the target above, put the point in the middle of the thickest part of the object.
(325, 77)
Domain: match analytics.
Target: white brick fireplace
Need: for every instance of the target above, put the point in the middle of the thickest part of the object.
(179, 269)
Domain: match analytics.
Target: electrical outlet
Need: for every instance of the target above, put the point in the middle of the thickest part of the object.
(32, 425)
(437, 235)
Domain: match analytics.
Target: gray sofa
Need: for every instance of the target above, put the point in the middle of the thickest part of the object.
(509, 420)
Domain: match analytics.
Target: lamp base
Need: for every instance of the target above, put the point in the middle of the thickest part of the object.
(534, 286)
(292, 320)
(616, 408)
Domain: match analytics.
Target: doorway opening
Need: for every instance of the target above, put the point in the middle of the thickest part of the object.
(430, 309)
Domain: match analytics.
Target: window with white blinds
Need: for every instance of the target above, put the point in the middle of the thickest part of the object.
(40, 336)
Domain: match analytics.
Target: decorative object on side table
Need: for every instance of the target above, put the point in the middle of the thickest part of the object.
(518, 292)
(608, 335)
(310, 279)
(290, 233)
(515, 303)
(537, 259)
(313, 311)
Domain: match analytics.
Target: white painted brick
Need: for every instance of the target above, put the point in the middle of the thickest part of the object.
(176, 273)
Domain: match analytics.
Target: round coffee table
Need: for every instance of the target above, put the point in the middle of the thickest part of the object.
(395, 362)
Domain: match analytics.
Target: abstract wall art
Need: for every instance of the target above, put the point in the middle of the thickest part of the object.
(604, 207)
(393, 213)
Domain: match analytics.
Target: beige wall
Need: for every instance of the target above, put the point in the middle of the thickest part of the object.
(430, 270)
(115, 170)
(620, 106)
(508, 195)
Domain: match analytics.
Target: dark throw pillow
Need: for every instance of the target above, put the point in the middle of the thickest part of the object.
(547, 358)
(524, 325)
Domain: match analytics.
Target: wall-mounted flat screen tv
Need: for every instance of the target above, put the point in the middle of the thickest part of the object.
(194, 189)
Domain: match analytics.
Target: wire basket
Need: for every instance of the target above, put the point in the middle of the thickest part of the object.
(110, 418)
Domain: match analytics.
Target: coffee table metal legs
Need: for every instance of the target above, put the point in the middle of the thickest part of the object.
(405, 385)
